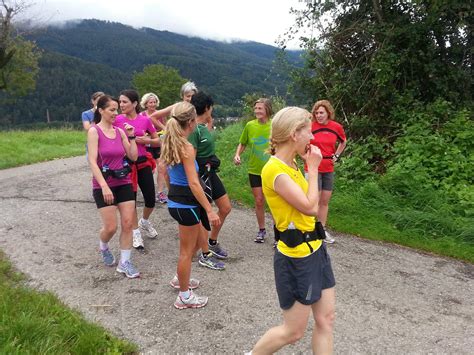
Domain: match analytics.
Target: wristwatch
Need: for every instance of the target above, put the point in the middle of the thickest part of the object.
(336, 156)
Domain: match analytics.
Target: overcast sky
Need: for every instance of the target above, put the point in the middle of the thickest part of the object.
(257, 20)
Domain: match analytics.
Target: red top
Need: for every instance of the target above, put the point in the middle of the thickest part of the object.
(325, 138)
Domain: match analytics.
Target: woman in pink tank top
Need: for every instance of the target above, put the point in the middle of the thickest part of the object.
(146, 135)
(112, 188)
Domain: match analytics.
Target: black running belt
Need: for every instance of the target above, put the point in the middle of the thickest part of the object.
(328, 130)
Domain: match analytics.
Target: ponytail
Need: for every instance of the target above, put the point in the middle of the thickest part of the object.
(172, 149)
(272, 147)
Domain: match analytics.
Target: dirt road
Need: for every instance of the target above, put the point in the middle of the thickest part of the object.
(390, 300)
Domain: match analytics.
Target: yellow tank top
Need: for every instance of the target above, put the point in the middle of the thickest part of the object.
(283, 213)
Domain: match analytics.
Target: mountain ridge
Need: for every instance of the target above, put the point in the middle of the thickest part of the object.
(225, 70)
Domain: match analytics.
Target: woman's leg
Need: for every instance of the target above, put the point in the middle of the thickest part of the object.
(259, 206)
(294, 325)
(108, 215)
(147, 186)
(324, 314)
(224, 206)
(202, 242)
(127, 212)
(188, 241)
(325, 197)
(160, 176)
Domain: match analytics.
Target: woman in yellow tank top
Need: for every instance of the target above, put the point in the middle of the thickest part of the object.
(303, 274)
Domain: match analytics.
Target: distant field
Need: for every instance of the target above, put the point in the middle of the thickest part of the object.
(28, 147)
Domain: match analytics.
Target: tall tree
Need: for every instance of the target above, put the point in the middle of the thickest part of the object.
(18, 57)
(370, 56)
(161, 80)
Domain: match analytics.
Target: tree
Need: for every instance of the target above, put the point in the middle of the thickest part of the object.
(164, 81)
(18, 57)
(373, 56)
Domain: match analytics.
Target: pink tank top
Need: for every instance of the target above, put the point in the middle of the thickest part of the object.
(111, 153)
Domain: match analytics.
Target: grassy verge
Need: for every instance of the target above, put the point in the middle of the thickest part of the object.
(350, 213)
(362, 210)
(35, 322)
(38, 323)
(27, 147)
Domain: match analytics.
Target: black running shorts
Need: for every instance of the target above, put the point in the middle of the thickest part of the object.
(122, 193)
(255, 180)
(190, 216)
(302, 279)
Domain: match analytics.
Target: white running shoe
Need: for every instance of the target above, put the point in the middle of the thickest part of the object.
(329, 238)
(128, 270)
(148, 228)
(193, 301)
(138, 240)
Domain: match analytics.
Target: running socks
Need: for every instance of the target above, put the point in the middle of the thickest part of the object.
(185, 295)
(103, 246)
(125, 255)
(212, 242)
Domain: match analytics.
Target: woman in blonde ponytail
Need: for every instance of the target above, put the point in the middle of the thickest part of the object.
(187, 202)
(304, 278)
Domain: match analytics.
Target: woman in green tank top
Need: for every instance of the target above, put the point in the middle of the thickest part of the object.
(256, 136)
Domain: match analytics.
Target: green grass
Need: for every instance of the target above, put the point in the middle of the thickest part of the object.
(351, 213)
(235, 178)
(28, 147)
(38, 323)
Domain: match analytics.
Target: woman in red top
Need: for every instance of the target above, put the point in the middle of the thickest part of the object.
(329, 137)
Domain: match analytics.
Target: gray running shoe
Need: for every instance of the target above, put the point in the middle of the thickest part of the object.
(148, 228)
(138, 240)
(193, 301)
(329, 238)
(211, 262)
(218, 251)
(108, 257)
(128, 270)
(260, 238)
(193, 283)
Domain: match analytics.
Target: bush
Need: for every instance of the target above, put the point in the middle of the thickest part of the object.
(423, 182)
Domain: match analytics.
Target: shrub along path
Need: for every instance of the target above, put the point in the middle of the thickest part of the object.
(389, 299)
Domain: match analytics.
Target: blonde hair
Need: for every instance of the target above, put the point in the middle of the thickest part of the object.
(147, 97)
(327, 106)
(287, 121)
(268, 105)
(172, 149)
(188, 87)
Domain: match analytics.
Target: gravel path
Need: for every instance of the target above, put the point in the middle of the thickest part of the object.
(390, 300)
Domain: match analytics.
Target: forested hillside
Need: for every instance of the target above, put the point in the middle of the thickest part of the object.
(63, 87)
(82, 57)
